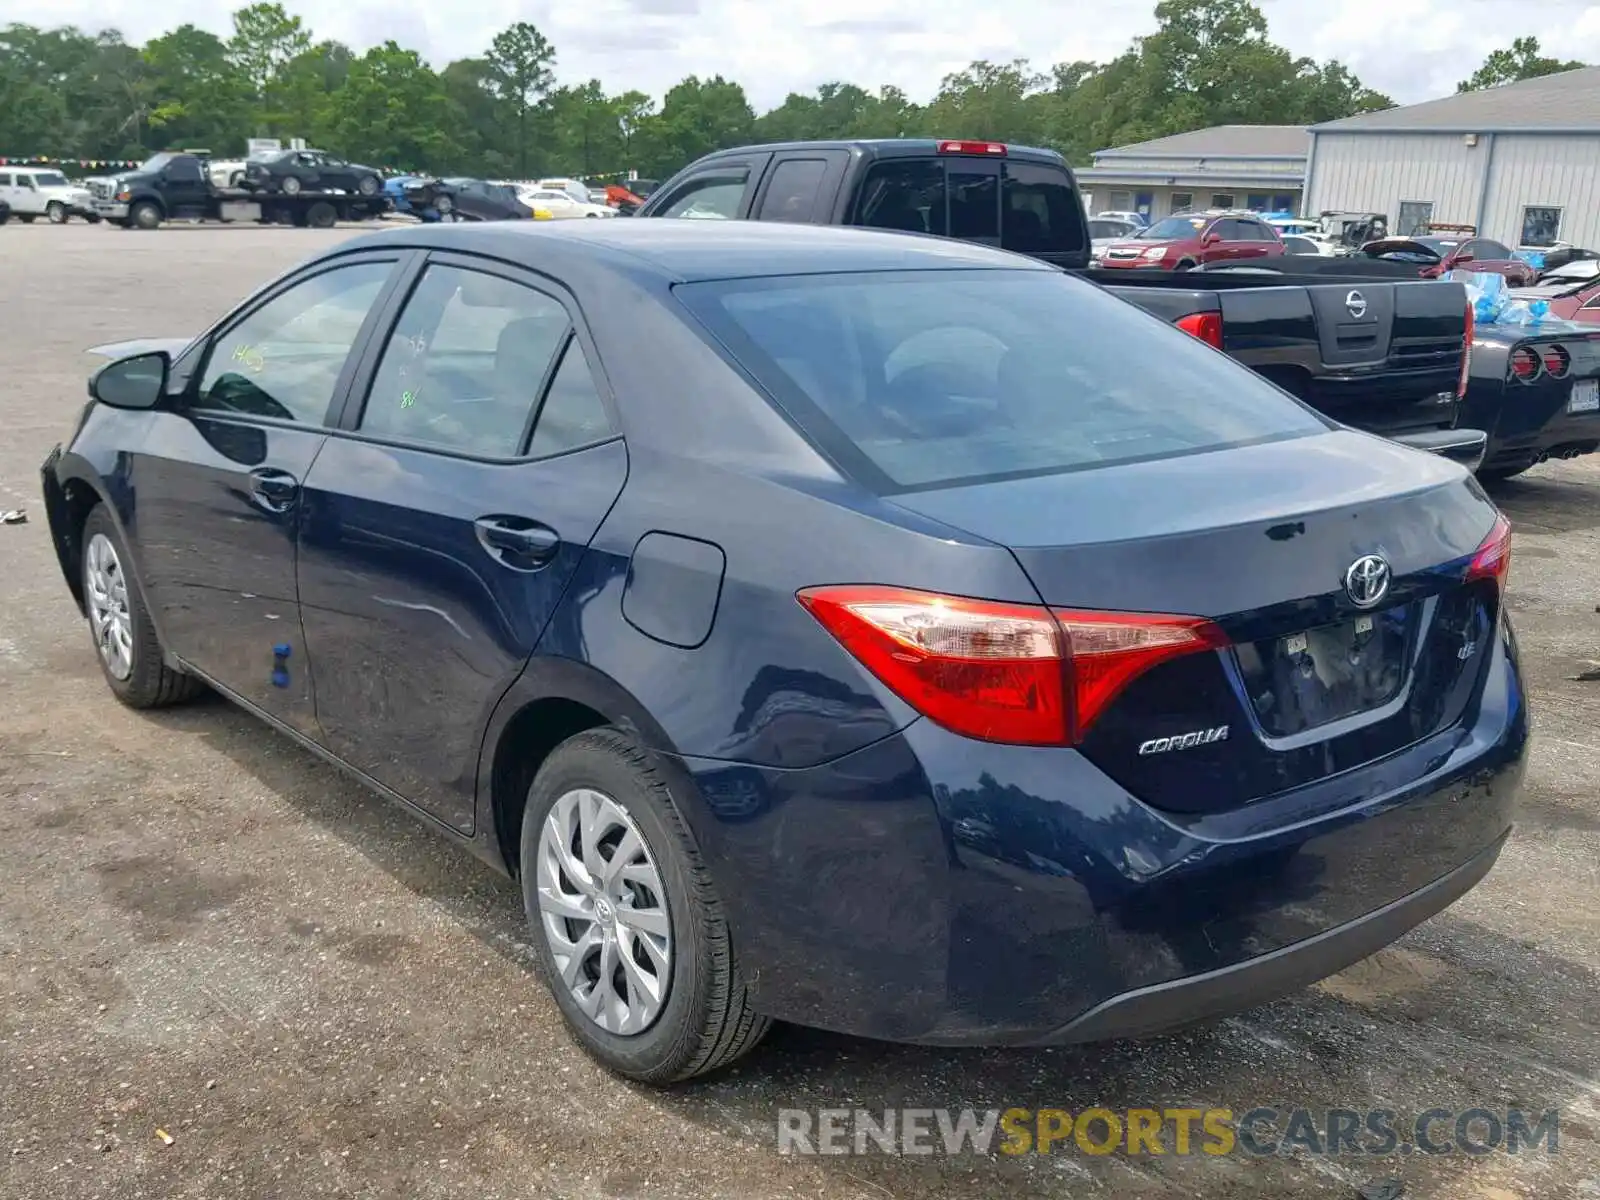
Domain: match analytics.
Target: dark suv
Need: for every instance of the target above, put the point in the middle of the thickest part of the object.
(1187, 240)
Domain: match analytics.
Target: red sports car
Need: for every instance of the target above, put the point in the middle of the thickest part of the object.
(1437, 255)
(1570, 301)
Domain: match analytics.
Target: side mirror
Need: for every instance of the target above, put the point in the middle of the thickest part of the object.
(139, 381)
(1211, 239)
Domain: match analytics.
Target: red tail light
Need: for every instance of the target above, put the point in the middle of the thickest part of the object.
(1207, 326)
(996, 148)
(1557, 362)
(1466, 353)
(1016, 673)
(1493, 557)
(1525, 364)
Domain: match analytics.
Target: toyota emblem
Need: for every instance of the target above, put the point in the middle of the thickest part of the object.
(1366, 581)
(1357, 304)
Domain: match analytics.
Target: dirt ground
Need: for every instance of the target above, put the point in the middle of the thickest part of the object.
(205, 931)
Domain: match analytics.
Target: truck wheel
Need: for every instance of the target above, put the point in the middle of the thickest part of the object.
(444, 205)
(56, 212)
(291, 185)
(322, 215)
(145, 215)
(92, 218)
(367, 185)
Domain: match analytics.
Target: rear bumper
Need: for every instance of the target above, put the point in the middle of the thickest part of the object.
(1166, 1006)
(933, 889)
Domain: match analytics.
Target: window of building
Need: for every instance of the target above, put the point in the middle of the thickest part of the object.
(1256, 202)
(1222, 199)
(1182, 201)
(1414, 218)
(1120, 202)
(1541, 225)
(1283, 202)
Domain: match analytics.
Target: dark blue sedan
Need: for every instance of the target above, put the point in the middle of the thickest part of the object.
(864, 630)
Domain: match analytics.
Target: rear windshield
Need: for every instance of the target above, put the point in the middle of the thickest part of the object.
(1025, 206)
(926, 379)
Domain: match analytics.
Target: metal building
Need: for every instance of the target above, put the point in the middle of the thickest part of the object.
(1520, 162)
(1227, 166)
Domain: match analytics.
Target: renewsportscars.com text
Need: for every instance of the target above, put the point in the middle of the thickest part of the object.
(1258, 1132)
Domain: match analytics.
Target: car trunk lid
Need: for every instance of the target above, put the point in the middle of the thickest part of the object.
(1338, 577)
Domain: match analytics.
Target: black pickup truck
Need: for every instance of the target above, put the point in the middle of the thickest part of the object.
(1373, 351)
(168, 186)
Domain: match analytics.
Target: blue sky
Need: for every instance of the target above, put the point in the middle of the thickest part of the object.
(1411, 49)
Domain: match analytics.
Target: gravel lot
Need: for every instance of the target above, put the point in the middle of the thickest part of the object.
(204, 930)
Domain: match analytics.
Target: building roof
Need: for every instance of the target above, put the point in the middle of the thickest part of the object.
(1569, 101)
(1221, 141)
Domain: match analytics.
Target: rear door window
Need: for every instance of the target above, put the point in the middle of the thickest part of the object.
(925, 379)
(793, 189)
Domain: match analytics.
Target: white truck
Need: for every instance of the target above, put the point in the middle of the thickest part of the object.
(34, 192)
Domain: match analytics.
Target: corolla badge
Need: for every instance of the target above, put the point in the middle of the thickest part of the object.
(1185, 741)
(1366, 581)
(1357, 304)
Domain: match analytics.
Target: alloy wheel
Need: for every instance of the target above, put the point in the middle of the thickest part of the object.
(603, 910)
(107, 593)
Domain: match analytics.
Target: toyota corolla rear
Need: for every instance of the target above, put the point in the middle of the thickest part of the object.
(1239, 706)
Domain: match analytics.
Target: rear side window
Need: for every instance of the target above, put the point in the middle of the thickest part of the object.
(914, 380)
(906, 194)
(792, 190)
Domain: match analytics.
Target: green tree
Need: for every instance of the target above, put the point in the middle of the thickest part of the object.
(520, 76)
(200, 99)
(391, 110)
(697, 117)
(1521, 61)
(266, 39)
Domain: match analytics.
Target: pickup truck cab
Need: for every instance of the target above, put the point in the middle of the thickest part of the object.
(34, 192)
(1015, 197)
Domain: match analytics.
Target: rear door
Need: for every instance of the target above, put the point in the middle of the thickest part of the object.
(722, 189)
(442, 522)
(801, 187)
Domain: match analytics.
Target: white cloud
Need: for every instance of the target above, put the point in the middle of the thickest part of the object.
(1410, 49)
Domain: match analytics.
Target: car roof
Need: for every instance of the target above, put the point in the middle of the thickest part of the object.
(676, 250)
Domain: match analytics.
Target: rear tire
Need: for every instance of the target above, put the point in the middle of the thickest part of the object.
(368, 185)
(56, 212)
(322, 215)
(126, 645)
(692, 1006)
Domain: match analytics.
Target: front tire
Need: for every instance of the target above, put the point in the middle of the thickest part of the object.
(368, 185)
(126, 645)
(627, 928)
(291, 185)
(56, 212)
(145, 215)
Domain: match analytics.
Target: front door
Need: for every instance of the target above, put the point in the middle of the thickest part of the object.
(443, 522)
(221, 479)
(185, 187)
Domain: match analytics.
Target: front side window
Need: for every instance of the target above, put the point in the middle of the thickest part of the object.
(50, 179)
(932, 379)
(284, 360)
(465, 363)
(714, 196)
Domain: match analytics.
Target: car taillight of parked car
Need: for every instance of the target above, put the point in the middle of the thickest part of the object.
(1016, 673)
(1466, 353)
(1207, 326)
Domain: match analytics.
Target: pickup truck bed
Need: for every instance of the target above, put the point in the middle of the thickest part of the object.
(1378, 354)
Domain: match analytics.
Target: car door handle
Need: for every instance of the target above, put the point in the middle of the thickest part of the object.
(274, 490)
(518, 542)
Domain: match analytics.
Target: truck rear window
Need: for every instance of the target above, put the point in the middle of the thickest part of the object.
(1023, 206)
(922, 379)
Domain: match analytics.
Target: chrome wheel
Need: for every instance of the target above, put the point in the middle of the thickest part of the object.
(106, 589)
(603, 910)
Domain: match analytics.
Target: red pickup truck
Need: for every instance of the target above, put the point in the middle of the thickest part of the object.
(1188, 240)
